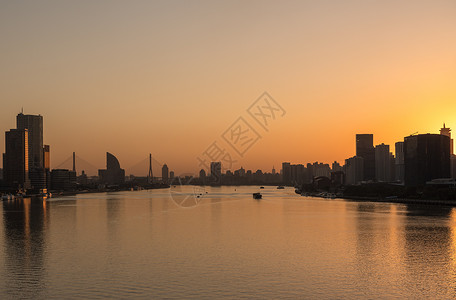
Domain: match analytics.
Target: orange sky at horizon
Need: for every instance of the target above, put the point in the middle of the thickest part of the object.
(169, 77)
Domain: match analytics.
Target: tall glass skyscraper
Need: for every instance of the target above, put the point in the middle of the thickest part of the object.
(365, 149)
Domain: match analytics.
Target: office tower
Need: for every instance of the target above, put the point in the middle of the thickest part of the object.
(286, 173)
(392, 165)
(297, 174)
(453, 166)
(399, 162)
(216, 171)
(336, 167)
(47, 157)
(447, 132)
(171, 175)
(113, 174)
(321, 169)
(202, 174)
(63, 179)
(34, 125)
(165, 173)
(242, 172)
(382, 163)
(47, 164)
(273, 170)
(426, 157)
(16, 159)
(365, 149)
(354, 170)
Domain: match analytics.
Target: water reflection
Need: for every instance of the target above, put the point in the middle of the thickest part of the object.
(428, 243)
(24, 223)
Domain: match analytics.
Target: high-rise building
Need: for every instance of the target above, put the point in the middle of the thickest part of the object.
(63, 179)
(113, 174)
(447, 132)
(382, 163)
(171, 175)
(365, 149)
(336, 167)
(286, 173)
(16, 159)
(426, 157)
(453, 166)
(165, 173)
(216, 171)
(47, 157)
(399, 162)
(242, 172)
(47, 164)
(34, 125)
(202, 174)
(297, 174)
(354, 170)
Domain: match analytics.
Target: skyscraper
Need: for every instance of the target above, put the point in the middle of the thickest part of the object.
(16, 159)
(354, 170)
(365, 149)
(399, 162)
(447, 132)
(426, 157)
(34, 125)
(165, 173)
(382, 163)
(216, 171)
(286, 173)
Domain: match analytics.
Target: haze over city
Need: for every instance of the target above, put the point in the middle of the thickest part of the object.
(169, 77)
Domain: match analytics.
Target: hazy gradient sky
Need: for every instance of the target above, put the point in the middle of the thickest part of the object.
(169, 77)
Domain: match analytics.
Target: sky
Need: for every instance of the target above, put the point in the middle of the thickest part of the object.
(171, 77)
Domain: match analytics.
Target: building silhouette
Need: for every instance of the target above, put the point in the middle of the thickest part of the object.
(63, 179)
(365, 149)
(399, 167)
(383, 163)
(426, 157)
(286, 173)
(113, 174)
(447, 132)
(216, 172)
(165, 173)
(16, 159)
(354, 170)
(34, 125)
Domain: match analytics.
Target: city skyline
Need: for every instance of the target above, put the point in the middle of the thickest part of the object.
(445, 130)
(377, 163)
(132, 80)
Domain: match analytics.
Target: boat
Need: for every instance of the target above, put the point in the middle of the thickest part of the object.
(280, 187)
(257, 196)
(261, 187)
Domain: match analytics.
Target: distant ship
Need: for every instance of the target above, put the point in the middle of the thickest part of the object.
(257, 196)
(280, 187)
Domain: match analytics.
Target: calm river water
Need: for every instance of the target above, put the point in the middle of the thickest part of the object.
(224, 244)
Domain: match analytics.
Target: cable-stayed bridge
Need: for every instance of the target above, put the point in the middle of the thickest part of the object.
(140, 168)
